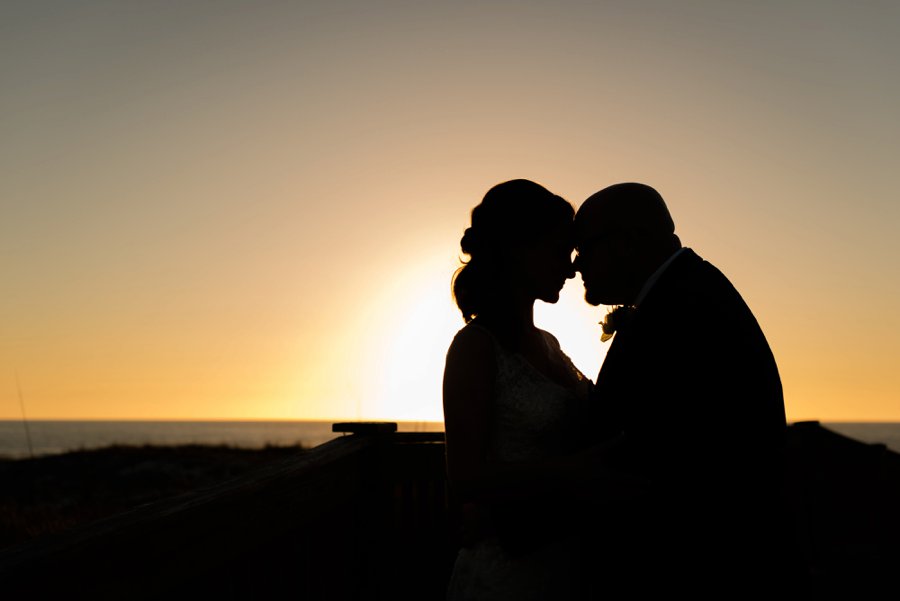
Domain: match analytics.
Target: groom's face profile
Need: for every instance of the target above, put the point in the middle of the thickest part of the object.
(600, 261)
(596, 243)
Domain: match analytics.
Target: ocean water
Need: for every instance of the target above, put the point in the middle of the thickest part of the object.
(51, 437)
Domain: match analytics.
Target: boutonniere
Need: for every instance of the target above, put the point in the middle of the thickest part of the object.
(614, 320)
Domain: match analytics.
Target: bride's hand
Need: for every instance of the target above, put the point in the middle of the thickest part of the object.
(599, 478)
(598, 456)
(474, 523)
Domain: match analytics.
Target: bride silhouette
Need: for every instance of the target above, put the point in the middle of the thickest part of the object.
(513, 402)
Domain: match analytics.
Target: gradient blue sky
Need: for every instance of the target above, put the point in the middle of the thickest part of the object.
(234, 209)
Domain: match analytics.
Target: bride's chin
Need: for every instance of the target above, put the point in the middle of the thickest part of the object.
(551, 298)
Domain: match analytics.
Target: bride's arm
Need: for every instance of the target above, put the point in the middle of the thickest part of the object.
(469, 375)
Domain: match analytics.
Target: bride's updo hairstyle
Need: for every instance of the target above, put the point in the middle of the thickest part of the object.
(514, 213)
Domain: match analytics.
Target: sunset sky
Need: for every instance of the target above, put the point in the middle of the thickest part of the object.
(218, 210)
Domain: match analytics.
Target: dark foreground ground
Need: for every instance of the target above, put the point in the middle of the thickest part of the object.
(356, 517)
(50, 494)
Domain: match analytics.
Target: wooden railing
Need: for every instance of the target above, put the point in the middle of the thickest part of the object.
(845, 496)
(363, 516)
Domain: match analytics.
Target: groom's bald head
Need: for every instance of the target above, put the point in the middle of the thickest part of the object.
(623, 233)
(631, 207)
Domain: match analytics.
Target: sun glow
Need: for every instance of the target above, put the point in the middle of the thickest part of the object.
(575, 325)
(405, 362)
(406, 359)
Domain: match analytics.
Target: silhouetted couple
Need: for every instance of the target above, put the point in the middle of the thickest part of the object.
(662, 478)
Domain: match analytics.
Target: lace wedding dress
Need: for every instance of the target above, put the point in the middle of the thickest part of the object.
(534, 418)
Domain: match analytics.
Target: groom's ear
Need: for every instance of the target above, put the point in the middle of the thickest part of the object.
(623, 244)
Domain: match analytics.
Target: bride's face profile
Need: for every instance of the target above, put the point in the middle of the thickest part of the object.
(520, 246)
(540, 268)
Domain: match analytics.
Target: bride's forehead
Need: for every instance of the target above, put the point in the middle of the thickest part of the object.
(563, 230)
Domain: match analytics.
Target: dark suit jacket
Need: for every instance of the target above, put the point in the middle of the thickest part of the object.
(692, 383)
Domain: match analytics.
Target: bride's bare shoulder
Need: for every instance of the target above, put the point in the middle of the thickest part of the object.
(473, 337)
(468, 376)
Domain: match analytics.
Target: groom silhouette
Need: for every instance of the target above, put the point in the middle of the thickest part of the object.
(692, 391)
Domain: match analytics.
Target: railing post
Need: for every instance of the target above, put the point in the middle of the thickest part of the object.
(364, 428)
(403, 514)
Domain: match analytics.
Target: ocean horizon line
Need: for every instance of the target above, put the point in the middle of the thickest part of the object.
(35, 437)
(219, 419)
(337, 420)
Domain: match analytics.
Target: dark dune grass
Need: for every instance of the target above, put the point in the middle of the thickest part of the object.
(46, 495)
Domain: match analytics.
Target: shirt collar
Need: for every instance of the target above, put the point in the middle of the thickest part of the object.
(656, 275)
